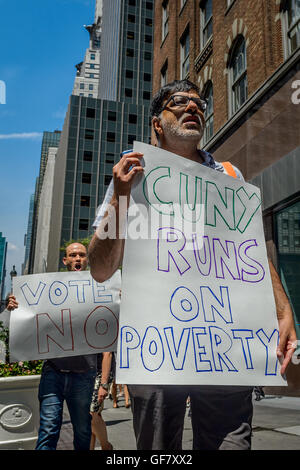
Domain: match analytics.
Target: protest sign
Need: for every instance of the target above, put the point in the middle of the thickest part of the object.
(64, 314)
(197, 300)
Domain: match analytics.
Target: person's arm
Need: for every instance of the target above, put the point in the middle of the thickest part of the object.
(287, 333)
(107, 245)
(105, 371)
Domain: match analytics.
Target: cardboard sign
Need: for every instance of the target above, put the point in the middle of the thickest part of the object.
(64, 314)
(197, 300)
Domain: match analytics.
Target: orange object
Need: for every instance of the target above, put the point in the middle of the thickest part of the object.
(229, 169)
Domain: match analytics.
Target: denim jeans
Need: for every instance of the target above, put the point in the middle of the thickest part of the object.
(76, 389)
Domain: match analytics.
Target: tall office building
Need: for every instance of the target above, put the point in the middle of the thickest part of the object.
(87, 77)
(3, 251)
(50, 139)
(97, 130)
(245, 58)
(28, 236)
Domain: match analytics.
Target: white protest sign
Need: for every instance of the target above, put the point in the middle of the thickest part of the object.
(64, 314)
(197, 301)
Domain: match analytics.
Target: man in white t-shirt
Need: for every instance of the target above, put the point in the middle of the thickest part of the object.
(221, 416)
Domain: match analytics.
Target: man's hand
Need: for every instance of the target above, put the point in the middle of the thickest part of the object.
(102, 394)
(11, 303)
(124, 173)
(287, 333)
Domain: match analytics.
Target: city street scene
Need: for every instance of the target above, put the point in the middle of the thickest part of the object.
(150, 228)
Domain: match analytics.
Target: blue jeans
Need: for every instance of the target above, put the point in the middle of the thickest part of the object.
(76, 389)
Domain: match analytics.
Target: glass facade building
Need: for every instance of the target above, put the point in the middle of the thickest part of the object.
(3, 251)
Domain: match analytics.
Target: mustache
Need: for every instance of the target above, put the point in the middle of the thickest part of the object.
(188, 115)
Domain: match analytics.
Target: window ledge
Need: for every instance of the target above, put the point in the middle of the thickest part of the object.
(204, 54)
(164, 40)
(182, 8)
(229, 7)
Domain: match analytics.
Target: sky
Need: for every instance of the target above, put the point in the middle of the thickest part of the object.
(40, 44)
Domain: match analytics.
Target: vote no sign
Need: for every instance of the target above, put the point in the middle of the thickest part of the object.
(64, 314)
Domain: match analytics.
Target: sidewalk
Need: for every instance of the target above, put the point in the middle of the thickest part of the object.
(276, 426)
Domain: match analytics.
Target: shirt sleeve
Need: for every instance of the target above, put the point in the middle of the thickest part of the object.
(103, 207)
(238, 173)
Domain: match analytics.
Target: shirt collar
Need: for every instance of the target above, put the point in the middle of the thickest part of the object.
(210, 162)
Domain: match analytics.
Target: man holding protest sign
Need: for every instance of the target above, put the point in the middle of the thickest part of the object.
(69, 379)
(221, 415)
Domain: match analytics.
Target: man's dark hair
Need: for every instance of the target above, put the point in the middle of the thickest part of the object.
(167, 90)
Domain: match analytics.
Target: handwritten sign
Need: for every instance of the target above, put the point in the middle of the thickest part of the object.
(197, 301)
(64, 314)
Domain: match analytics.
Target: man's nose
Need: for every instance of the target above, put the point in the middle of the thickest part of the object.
(191, 106)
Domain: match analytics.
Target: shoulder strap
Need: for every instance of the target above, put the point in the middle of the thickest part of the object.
(229, 169)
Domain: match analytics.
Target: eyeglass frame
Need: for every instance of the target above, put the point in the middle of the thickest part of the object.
(189, 98)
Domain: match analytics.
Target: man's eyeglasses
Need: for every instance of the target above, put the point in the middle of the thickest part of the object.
(181, 101)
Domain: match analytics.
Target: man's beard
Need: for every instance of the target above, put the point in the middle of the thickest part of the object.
(176, 129)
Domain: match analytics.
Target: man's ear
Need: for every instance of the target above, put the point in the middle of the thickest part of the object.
(64, 260)
(157, 126)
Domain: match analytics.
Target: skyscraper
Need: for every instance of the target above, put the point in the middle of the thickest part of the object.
(97, 130)
(3, 251)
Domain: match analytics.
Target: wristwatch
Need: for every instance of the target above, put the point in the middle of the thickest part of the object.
(105, 386)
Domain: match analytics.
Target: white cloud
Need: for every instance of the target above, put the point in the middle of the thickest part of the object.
(11, 246)
(22, 135)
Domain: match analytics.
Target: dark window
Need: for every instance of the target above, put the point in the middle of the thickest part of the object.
(110, 158)
(85, 201)
(89, 134)
(131, 138)
(147, 55)
(86, 178)
(131, 19)
(111, 137)
(107, 179)
(132, 118)
(129, 52)
(90, 113)
(148, 38)
(129, 74)
(128, 92)
(83, 224)
(148, 22)
(147, 77)
(112, 116)
(130, 35)
(149, 6)
(81, 86)
(146, 95)
(131, 3)
(87, 155)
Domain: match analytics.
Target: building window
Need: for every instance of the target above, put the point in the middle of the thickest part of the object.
(112, 116)
(164, 74)
(86, 178)
(107, 179)
(90, 113)
(206, 22)
(110, 158)
(146, 95)
(81, 86)
(85, 201)
(147, 55)
(92, 66)
(148, 22)
(185, 55)
(130, 35)
(128, 92)
(93, 56)
(131, 19)
(91, 75)
(291, 26)
(165, 19)
(238, 75)
(91, 87)
(148, 38)
(288, 249)
(182, 3)
(149, 5)
(129, 52)
(209, 113)
(87, 155)
(91, 95)
(89, 134)
(129, 73)
(83, 224)
(132, 118)
(111, 136)
(131, 138)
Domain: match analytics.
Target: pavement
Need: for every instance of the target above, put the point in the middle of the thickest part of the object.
(276, 425)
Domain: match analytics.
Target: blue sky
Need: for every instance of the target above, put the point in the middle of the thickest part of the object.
(40, 44)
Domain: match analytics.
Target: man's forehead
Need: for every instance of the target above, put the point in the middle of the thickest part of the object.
(185, 93)
(76, 248)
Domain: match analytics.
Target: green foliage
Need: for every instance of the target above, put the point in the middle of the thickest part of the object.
(9, 369)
